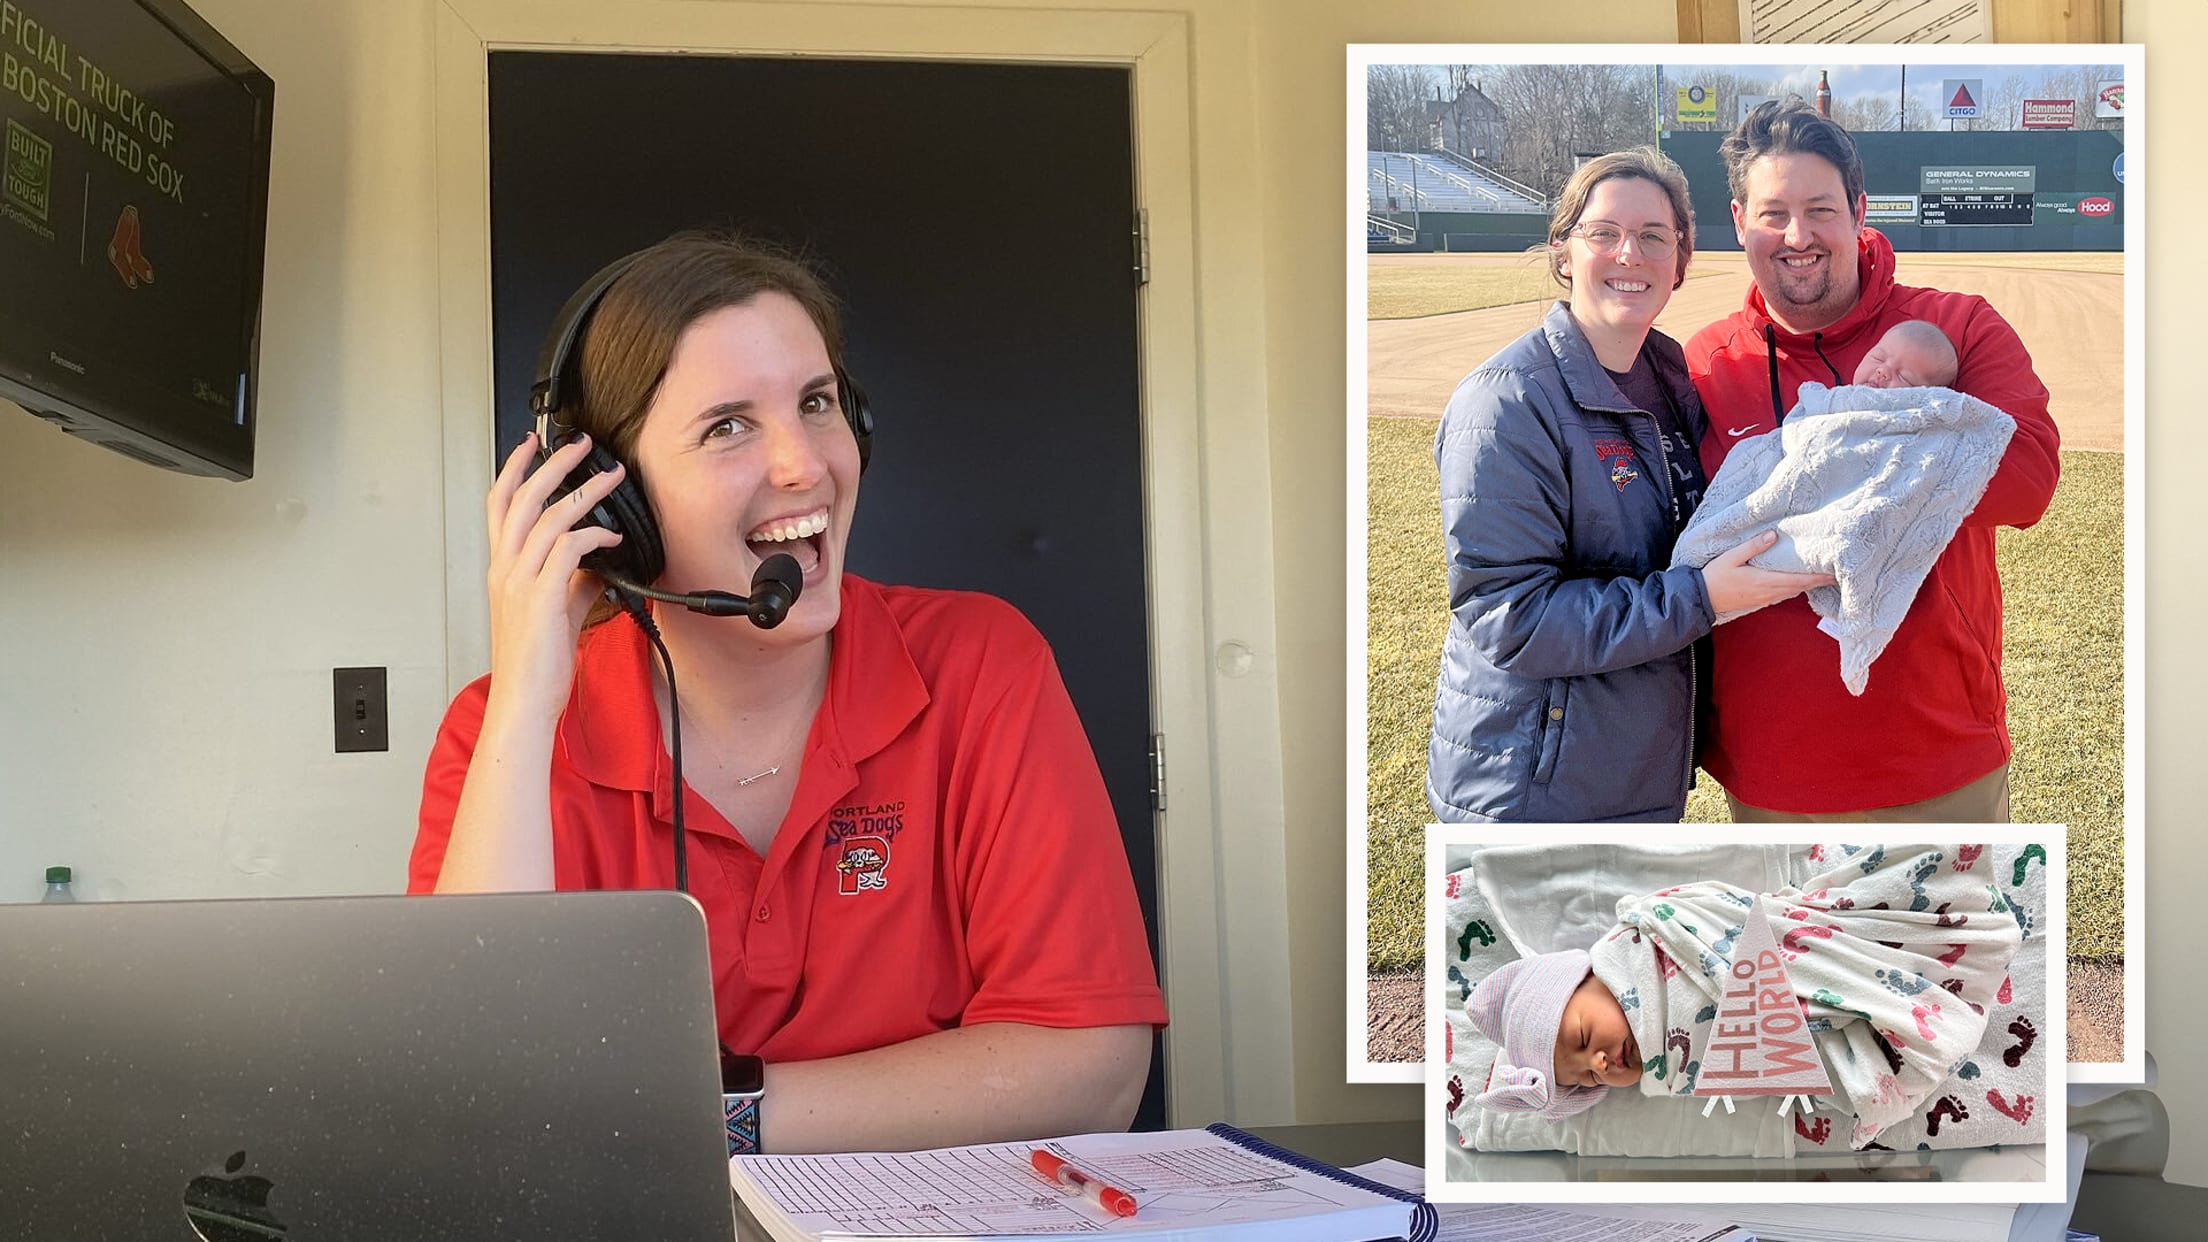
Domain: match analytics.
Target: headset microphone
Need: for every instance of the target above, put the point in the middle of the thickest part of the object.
(774, 590)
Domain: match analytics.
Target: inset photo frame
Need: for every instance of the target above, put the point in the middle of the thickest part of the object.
(1615, 1019)
(1526, 645)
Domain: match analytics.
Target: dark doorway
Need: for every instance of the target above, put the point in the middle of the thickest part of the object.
(976, 219)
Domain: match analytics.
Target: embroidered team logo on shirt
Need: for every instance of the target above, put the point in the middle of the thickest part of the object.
(863, 866)
(1624, 466)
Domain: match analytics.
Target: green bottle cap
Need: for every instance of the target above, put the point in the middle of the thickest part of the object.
(57, 875)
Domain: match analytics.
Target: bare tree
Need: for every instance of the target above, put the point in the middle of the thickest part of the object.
(1554, 113)
(1396, 99)
(1864, 114)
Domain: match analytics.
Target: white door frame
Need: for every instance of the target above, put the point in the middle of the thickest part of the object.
(1229, 1054)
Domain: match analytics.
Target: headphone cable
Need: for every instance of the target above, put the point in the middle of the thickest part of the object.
(633, 604)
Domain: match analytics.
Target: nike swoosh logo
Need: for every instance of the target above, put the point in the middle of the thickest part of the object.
(1737, 432)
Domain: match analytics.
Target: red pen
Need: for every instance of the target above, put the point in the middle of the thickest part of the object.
(1054, 1168)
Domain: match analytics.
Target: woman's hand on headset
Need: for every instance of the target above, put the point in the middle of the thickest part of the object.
(539, 595)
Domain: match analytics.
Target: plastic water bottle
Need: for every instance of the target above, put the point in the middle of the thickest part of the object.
(57, 887)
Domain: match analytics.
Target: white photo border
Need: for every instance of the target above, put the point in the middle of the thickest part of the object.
(2053, 1102)
(1361, 57)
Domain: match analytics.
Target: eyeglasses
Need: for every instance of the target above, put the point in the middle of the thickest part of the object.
(1606, 239)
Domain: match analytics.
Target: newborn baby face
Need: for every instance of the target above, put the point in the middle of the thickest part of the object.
(1898, 362)
(1594, 1044)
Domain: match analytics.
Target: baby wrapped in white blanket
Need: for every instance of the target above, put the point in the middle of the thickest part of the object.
(1866, 482)
(1896, 959)
(1525, 1064)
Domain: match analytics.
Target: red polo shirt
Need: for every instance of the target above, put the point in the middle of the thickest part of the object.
(949, 856)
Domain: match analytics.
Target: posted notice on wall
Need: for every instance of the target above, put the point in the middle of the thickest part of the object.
(1866, 21)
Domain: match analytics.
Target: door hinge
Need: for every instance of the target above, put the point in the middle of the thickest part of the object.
(1157, 772)
(1142, 245)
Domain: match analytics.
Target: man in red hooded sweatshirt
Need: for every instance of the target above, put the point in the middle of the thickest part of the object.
(1928, 739)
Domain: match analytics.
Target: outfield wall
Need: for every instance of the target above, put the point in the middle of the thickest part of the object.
(2068, 177)
(2067, 170)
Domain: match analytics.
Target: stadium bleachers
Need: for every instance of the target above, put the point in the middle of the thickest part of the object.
(1406, 181)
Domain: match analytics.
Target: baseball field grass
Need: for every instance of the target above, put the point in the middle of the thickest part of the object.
(2063, 648)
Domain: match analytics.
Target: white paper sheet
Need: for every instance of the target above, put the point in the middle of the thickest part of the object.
(1866, 21)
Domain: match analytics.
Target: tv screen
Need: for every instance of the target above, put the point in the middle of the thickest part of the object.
(133, 205)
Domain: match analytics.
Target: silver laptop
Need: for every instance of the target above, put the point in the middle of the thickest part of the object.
(389, 1068)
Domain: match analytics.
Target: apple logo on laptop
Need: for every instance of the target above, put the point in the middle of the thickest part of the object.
(232, 1206)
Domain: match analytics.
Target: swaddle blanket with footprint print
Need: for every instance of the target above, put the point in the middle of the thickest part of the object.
(1922, 1002)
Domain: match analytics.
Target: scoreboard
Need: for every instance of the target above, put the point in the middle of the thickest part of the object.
(1974, 209)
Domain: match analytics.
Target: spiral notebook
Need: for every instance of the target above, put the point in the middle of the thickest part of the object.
(1217, 1183)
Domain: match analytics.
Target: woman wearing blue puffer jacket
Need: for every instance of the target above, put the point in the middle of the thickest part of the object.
(1568, 467)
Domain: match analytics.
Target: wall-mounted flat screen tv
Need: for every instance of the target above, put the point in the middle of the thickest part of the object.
(133, 211)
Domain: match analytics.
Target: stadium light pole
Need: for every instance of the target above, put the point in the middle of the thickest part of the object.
(1903, 122)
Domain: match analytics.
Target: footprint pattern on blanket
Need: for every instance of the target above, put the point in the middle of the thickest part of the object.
(1724, 948)
(2019, 1112)
(1874, 860)
(1629, 1000)
(1658, 1065)
(1456, 1093)
(1687, 1076)
(1476, 929)
(1664, 911)
(1900, 986)
(1950, 920)
(1994, 902)
(1886, 1042)
(1851, 851)
(1815, 1131)
(2024, 920)
(1454, 886)
(1707, 1013)
(1791, 944)
(1742, 900)
(1448, 1042)
(1949, 1109)
(1924, 1028)
(1953, 955)
(2026, 1035)
(1664, 963)
(1923, 871)
(1967, 1070)
(1677, 1037)
(1826, 996)
(2006, 994)
(1966, 856)
(2024, 860)
(1457, 977)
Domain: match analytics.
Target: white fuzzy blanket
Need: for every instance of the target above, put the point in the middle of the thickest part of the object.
(1866, 484)
(1510, 901)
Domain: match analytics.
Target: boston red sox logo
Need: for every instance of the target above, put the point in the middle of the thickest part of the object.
(863, 866)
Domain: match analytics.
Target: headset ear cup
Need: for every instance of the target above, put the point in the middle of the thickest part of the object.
(639, 556)
(858, 414)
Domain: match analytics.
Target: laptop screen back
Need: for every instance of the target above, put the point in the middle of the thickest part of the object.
(391, 1068)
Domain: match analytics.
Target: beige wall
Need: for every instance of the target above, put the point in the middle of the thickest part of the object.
(164, 689)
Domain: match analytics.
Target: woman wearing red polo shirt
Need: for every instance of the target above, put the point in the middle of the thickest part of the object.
(920, 912)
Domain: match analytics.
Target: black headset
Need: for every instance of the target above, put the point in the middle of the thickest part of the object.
(635, 563)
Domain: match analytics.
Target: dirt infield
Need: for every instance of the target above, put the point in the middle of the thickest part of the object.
(2071, 321)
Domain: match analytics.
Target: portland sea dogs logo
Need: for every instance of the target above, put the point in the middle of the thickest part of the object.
(1622, 462)
(863, 866)
(859, 836)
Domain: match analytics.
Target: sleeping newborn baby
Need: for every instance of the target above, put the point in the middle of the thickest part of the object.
(1894, 958)
(1912, 354)
(1867, 482)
